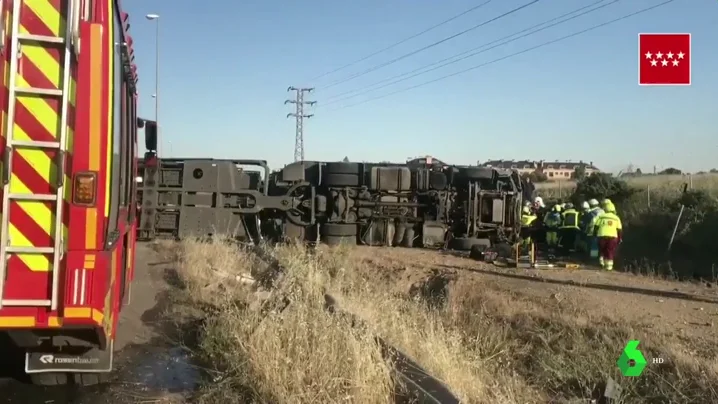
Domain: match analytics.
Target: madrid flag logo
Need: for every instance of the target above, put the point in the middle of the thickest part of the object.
(664, 59)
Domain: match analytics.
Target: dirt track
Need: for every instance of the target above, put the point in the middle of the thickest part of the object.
(149, 368)
(652, 305)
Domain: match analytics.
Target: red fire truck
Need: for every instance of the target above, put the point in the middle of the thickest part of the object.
(69, 135)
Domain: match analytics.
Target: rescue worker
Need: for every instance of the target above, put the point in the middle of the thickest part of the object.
(595, 211)
(538, 204)
(609, 231)
(528, 221)
(570, 227)
(552, 221)
(539, 209)
(584, 222)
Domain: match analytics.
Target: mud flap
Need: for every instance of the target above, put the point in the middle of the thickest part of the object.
(92, 361)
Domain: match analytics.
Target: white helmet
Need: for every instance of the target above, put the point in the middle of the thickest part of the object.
(592, 203)
(539, 201)
(585, 205)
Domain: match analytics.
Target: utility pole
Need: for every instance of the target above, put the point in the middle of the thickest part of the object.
(299, 115)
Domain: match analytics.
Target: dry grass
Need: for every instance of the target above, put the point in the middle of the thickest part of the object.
(487, 346)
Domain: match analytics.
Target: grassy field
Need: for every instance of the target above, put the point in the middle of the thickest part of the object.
(664, 185)
(488, 343)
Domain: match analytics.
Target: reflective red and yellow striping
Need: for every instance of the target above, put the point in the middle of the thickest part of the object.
(34, 171)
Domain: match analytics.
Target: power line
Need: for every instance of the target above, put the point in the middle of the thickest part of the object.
(469, 53)
(299, 115)
(439, 42)
(508, 56)
(394, 45)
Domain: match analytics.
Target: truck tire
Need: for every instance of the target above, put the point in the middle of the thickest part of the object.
(342, 168)
(340, 180)
(339, 229)
(476, 173)
(341, 174)
(339, 240)
(467, 243)
(339, 233)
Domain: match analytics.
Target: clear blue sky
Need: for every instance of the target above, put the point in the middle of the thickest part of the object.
(226, 65)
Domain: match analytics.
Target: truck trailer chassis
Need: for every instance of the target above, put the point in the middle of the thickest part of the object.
(330, 202)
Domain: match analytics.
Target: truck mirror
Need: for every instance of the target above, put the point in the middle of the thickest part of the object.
(150, 135)
(140, 123)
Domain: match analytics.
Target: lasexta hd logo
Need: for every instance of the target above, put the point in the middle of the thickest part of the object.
(632, 362)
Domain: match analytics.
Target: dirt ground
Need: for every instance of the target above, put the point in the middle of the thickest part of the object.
(650, 304)
(151, 367)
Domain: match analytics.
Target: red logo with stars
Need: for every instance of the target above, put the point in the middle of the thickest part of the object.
(664, 59)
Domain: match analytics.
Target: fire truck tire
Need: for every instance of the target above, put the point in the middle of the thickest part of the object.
(467, 243)
(49, 379)
(342, 168)
(341, 180)
(91, 379)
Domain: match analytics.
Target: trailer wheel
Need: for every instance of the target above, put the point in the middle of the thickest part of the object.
(467, 243)
(340, 180)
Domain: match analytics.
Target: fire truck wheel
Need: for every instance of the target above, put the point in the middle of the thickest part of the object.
(91, 379)
(49, 379)
(340, 180)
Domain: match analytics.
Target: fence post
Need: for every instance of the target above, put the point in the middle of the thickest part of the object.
(648, 195)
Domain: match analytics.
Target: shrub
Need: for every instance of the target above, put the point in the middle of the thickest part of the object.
(649, 229)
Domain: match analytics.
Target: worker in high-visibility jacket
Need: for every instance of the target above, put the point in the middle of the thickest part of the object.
(584, 219)
(552, 221)
(570, 228)
(595, 212)
(609, 231)
(528, 222)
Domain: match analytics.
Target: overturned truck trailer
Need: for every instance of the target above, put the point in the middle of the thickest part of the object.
(334, 203)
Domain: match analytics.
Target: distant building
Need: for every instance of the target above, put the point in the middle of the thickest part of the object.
(554, 170)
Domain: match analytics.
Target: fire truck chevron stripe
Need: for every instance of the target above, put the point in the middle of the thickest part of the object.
(38, 118)
(48, 13)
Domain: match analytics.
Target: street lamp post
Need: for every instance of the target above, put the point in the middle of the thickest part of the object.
(156, 19)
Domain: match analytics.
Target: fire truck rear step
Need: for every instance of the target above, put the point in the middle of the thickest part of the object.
(71, 48)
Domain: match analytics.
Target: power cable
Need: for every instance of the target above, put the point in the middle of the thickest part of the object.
(458, 34)
(508, 56)
(394, 45)
(453, 59)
